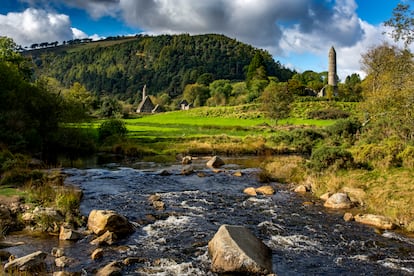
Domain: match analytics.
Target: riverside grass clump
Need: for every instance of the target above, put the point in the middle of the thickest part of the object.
(38, 187)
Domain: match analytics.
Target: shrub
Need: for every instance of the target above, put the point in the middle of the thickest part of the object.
(381, 156)
(344, 129)
(327, 114)
(303, 140)
(113, 127)
(331, 157)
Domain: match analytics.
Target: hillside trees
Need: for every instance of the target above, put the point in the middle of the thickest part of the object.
(166, 64)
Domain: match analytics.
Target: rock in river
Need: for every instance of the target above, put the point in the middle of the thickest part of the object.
(100, 221)
(31, 262)
(379, 222)
(215, 162)
(338, 201)
(234, 249)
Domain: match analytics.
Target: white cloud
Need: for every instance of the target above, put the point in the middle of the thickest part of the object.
(34, 26)
(37, 26)
(78, 33)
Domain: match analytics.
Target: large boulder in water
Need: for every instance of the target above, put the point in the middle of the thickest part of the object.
(215, 162)
(338, 201)
(101, 221)
(234, 249)
(34, 262)
(377, 221)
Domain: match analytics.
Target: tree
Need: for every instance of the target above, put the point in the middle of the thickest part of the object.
(389, 90)
(351, 89)
(9, 54)
(276, 101)
(256, 69)
(220, 91)
(110, 107)
(196, 94)
(402, 24)
(79, 95)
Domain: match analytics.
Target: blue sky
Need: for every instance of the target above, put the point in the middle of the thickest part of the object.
(298, 33)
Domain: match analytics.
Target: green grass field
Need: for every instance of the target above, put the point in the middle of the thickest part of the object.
(202, 122)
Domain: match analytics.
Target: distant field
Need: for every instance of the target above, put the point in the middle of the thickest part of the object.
(210, 121)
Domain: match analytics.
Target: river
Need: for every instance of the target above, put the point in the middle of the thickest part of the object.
(305, 239)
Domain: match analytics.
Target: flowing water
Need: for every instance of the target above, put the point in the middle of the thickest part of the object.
(305, 239)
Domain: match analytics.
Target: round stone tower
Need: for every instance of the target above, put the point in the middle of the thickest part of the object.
(332, 76)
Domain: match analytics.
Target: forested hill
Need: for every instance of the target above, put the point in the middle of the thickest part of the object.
(165, 63)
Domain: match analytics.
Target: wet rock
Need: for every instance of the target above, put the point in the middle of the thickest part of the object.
(158, 205)
(234, 249)
(187, 170)
(111, 269)
(156, 202)
(107, 238)
(68, 234)
(338, 201)
(348, 217)
(377, 221)
(265, 190)
(63, 261)
(215, 162)
(97, 254)
(238, 174)
(57, 252)
(4, 255)
(134, 260)
(154, 197)
(250, 191)
(201, 174)
(187, 160)
(29, 263)
(5, 244)
(302, 189)
(100, 221)
(325, 196)
(164, 173)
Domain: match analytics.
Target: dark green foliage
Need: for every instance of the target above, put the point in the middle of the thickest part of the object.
(302, 140)
(165, 63)
(328, 114)
(327, 157)
(110, 107)
(29, 113)
(205, 79)
(257, 69)
(345, 129)
(75, 142)
(113, 127)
